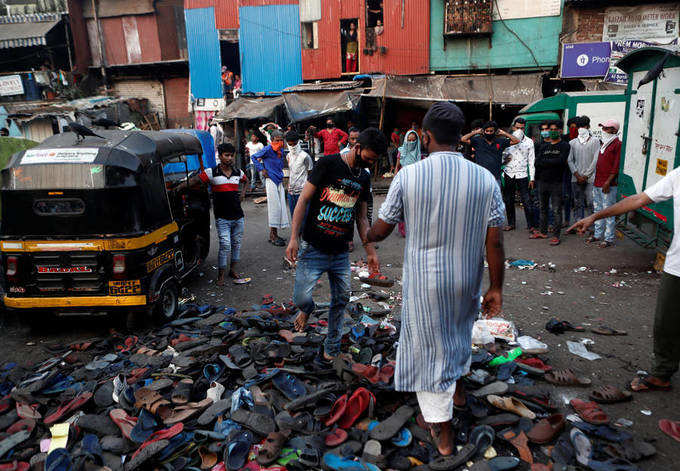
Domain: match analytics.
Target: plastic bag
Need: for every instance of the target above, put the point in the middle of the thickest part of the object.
(498, 328)
(531, 345)
(481, 335)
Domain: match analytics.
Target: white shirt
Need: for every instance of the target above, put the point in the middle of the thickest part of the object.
(522, 157)
(299, 164)
(254, 148)
(666, 188)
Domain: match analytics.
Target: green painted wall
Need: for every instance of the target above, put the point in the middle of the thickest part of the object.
(540, 34)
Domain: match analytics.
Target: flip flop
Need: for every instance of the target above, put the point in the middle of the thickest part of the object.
(377, 279)
(670, 428)
(124, 422)
(289, 385)
(546, 429)
(606, 432)
(271, 448)
(606, 330)
(357, 404)
(499, 463)
(519, 440)
(445, 463)
(74, 404)
(589, 412)
(390, 427)
(610, 395)
(241, 281)
(336, 437)
(334, 462)
(511, 404)
(258, 423)
(640, 384)
(566, 378)
(555, 241)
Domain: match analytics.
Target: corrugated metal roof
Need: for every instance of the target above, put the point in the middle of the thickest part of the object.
(269, 44)
(26, 30)
(203, 44)
(324, 86)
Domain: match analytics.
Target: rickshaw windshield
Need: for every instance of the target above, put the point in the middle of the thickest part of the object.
(65, 177)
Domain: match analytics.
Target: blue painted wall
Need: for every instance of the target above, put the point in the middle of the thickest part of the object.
(270, 48)
(540, 34)
(205, 62)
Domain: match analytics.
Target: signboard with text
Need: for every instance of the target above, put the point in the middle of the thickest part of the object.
(514, 9)
(657, 22)
(585, 60)
(11, 85)
(620, 49)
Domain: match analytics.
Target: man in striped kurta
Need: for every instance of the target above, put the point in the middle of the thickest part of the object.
(453, 209)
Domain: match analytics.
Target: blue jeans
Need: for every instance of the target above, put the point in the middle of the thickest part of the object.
(604, 227)
(292, 202)
(311, 265)
(229, 233)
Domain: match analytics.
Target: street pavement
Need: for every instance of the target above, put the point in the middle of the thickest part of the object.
(580, 289)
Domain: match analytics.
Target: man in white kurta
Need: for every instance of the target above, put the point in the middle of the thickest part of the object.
(452, 209)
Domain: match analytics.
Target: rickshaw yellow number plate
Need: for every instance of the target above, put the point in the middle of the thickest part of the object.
(124, 287)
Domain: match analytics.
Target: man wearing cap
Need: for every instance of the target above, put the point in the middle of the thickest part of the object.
(605, 184)
(453, 211)
(269, 161)
(489, 143)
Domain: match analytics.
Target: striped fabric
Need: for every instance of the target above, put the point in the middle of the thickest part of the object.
(447, 204)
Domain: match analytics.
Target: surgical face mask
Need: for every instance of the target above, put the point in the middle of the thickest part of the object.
(329, 125)
(608, 135)
(518, 133)
(294, 149)
(489, 136)
(554, 134)
(583, 133)
(545, 134)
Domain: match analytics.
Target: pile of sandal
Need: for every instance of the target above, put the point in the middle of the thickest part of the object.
(222, 389)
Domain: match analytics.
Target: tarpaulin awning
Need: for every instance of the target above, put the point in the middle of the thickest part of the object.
(26, 30)
(23, 112)
(249, 108)
(517, 89)
(310, 105)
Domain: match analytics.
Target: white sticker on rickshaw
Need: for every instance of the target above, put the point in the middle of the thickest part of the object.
(70, 155)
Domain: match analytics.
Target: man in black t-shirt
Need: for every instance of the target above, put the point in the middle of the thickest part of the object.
(489, 142)
(551, 164)
(336, 185)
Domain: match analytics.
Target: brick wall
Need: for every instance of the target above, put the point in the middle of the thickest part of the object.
(176, 102)
(583, 24)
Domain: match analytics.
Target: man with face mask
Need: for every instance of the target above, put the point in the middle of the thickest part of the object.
(605, 184)
(269, 161)
(299, 165)
(335, 196)
(489, 143)
(582, 160)
(453, 210)
(332, 138)
(551, 164)
(519, 175)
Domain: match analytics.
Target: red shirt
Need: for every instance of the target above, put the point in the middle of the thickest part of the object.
(331, 139)
(608, 164)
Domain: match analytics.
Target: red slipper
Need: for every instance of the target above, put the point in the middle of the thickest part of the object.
(75, 403)
(377, 279)
(356, 406)
(555, 241)
(670, 428)
(160, 435)
(534, 363)
(386, 373)
(371, 373)
(338, 410)
(590, 412)
(28, 411)
(128, 344)
(336, 437)
(124, 422)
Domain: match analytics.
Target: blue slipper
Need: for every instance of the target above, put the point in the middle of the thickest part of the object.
(237, 449)
(346, 463)
(58, 460)
(403, 438)
(144, 428)
(604, 431)
(289, 385)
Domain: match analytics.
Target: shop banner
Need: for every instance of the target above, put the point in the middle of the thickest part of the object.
(620, 49)
(585, 60)
(658, 23)
(11, 85)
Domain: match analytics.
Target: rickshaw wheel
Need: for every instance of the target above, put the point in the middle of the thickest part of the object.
(166, 307)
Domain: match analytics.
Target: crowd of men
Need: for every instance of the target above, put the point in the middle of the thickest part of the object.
(463, 203)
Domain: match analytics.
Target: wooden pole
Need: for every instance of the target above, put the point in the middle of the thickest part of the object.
(102, 60)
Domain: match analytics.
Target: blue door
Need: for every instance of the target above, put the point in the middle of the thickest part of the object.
(203, 44)
(270, 46)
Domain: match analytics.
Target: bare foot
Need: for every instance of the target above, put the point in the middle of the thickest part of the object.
(220, 282)
(459, 399)
(443, 438)
(301, 321)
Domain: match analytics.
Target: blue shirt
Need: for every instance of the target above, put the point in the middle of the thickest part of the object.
(269, 160)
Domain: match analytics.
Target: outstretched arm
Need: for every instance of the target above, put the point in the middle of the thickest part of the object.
(625, 205)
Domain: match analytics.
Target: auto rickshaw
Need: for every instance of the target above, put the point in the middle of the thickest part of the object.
(92, 225)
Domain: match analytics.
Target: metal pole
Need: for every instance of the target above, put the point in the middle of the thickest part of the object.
(101, 46)
(68, 44)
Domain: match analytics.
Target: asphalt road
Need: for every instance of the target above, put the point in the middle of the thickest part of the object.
(589, 297)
